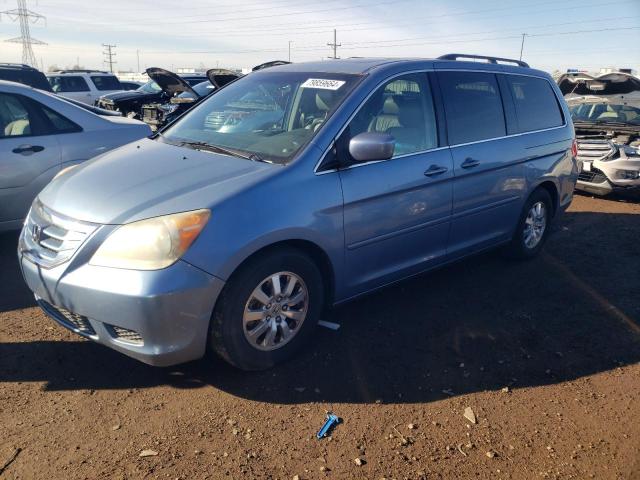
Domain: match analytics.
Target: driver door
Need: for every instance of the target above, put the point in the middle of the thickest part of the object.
(397, 211)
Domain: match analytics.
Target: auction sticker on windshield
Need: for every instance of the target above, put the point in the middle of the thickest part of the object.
(323, 83)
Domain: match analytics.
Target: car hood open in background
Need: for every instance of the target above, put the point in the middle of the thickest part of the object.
(605, 84)
(219, 77)
(148, 178)
(169, 82)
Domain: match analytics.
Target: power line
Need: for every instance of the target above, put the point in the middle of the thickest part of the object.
(108, 55)
(25, 16)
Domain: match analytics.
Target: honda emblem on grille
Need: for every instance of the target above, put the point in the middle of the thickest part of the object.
(36, 232)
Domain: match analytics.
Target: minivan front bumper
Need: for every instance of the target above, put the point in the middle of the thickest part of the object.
(158, 317)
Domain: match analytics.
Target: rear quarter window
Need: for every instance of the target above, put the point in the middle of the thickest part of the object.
(106, 82)
(535, 103)
(473, 106)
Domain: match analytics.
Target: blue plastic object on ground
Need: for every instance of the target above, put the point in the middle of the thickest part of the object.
(331, 421)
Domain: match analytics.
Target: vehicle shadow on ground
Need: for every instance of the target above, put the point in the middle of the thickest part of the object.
(14, 293)
(481, 324)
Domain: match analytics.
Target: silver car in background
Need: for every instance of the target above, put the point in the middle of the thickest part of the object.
(40, 135)
(606, 114)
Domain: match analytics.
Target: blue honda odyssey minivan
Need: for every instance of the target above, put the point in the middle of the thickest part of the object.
(295, 188)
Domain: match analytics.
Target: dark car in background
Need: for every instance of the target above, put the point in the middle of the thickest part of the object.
(180, 96)
(130, 103)
(130, 85)
(21, 73)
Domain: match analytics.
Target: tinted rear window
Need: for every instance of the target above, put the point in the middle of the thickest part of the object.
(536, 105)
(69, 83)
(106, 82)
(32, 78)
(473, 106)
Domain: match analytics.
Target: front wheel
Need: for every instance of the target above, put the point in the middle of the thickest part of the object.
(533, 226)
(267, 310)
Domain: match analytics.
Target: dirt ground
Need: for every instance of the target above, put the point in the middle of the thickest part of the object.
(546, 353)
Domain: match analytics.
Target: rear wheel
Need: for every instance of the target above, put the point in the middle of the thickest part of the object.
(533, 226)
(268, 309)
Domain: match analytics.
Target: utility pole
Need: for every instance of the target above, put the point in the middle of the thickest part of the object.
(25, 16)
(108, 55)
(522, 45)
(138, 58)
(335, 44)
(289, 50)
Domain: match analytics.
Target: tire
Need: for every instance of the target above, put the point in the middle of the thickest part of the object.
(250, 345)
(523, 246)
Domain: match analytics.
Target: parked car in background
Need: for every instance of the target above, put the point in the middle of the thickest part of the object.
(606, 115)
(180, 96)
(327, 180)
(20, 73)
(40, 135)
(128, 85)
(129, 103)
(85, 86)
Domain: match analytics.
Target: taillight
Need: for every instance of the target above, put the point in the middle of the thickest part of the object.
(574, 148)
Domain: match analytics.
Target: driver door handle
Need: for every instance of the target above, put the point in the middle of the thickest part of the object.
(27, 149)
(470, 163)
(435, 170)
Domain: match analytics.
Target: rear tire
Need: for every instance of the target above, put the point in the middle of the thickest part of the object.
(533, 226)
(257, 321)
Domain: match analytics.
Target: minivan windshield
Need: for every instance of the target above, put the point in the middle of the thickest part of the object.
(266, 116)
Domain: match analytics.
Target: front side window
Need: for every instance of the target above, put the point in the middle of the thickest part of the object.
(106, 82)
(536, 105)
(266, 115)
(403, 108)
(15, 120)
(473, 106)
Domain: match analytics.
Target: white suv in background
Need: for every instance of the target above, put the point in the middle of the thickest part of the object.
(83, 85)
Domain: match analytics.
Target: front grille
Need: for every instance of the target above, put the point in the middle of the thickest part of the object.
(50, 239)
(590, 150)
(125, 335)
(70, 320)
(594, 176)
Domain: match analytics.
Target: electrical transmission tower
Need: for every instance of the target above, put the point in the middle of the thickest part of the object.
(108, 55)
(25, 16)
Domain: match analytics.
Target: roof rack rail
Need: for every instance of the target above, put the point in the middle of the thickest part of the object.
(10, 64)
(79, 70)
(495, 60)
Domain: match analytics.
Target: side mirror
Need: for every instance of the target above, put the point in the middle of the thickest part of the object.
(371, 146)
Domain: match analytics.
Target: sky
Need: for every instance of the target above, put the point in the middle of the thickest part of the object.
(584, 34)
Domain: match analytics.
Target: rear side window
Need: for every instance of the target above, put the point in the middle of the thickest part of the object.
(473, 106)
(106, 82)
(536, 105)
(59, 123)
(68, 84)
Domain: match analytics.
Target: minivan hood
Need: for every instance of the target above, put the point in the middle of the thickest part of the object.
(169, 82)
(149, 178)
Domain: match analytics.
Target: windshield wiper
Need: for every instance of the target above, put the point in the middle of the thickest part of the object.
(224, 150)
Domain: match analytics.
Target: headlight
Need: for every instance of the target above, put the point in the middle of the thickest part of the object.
(630, 151)
(151, 244)
(65, 170)
(168, 108)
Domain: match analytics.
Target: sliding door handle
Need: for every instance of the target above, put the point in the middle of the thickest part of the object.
(435, 170)
(470, 163)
